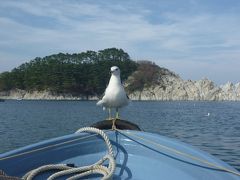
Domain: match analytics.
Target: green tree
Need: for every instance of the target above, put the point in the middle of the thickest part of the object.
(85, 73)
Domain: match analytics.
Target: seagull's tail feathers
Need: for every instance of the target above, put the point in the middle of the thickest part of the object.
(100, 103)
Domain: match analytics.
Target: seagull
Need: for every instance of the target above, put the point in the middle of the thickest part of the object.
(115, 95)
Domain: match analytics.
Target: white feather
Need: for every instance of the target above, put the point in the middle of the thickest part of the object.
(115, 95)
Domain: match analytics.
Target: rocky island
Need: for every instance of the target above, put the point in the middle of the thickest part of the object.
(165, 85)
(84, 77)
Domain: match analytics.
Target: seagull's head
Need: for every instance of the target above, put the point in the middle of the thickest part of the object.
(115, 70)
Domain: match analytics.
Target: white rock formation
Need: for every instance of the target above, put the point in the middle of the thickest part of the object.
(41, 95)
(170, 87)
(174, 88)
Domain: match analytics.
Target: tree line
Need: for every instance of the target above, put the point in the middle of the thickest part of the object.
(84, 73)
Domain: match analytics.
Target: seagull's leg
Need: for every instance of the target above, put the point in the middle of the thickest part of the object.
(117, 114)
(109, 114)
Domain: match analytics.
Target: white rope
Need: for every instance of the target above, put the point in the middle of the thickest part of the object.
(97, 168)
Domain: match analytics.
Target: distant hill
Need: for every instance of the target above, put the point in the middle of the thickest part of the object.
(148, 74)
(151, 82)
(86, 73)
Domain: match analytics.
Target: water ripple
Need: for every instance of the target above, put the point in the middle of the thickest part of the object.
(27, 122)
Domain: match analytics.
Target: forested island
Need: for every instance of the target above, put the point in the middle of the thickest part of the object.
(85, 75)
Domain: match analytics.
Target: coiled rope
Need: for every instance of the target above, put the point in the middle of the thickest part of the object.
(96, 168)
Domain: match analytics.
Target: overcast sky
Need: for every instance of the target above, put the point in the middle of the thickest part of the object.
(194, 38)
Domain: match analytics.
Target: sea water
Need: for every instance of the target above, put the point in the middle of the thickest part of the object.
(211, 126)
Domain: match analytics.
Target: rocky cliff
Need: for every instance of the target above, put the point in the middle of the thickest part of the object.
(41, 95)
(175, 88)
(149, 82)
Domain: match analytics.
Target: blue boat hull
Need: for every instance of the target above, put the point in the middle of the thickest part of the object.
(135, 158)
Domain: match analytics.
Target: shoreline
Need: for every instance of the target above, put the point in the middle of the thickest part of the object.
(179, 91)
(134, 100)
